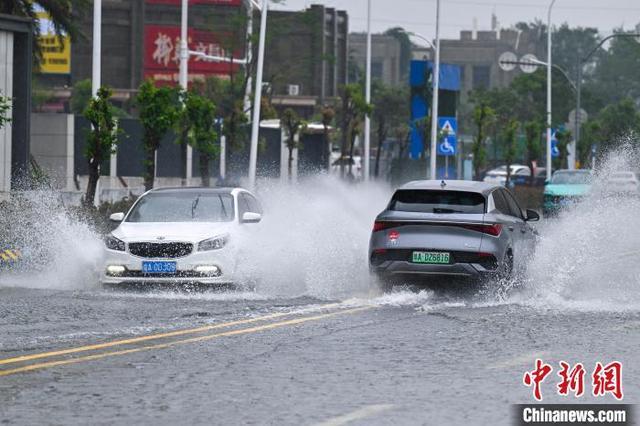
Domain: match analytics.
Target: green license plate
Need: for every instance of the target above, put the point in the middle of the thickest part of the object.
(430, 257)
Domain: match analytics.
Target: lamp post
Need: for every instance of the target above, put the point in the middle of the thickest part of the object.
(255, 124)
(549, 66)
(97, 48)
(367, 96)
(434, 99)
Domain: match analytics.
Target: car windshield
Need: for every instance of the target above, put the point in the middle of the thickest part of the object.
(623, 176)
(571, 178)
(188, 206)
(434, 201)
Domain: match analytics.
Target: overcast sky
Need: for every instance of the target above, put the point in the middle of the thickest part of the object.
(419, 15)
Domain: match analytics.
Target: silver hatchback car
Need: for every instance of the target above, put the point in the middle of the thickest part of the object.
(446, 229)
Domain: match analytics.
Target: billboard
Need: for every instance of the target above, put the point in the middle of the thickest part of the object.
(211, 2)
(56, 51)
(162, 54)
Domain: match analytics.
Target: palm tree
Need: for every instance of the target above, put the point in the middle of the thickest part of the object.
(64, 16)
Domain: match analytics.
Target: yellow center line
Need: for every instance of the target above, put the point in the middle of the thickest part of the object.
(181, 342)
(156, 336)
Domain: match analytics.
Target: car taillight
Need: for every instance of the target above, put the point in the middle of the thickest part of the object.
(494, 229)
(381, 225)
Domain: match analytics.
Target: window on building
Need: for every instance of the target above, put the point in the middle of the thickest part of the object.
(377, 70)
(481, 76)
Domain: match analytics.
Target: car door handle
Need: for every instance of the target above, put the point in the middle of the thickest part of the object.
(511, 228)
(524, 231)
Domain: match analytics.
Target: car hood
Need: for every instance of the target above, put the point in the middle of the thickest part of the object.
(170, 231)
(567, 190)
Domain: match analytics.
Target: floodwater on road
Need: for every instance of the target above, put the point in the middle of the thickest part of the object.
(315, 341)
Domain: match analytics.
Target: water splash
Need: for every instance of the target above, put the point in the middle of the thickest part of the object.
(589, 257)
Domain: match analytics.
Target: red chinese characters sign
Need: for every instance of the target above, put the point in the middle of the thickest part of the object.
(178, 2)
(162, 54)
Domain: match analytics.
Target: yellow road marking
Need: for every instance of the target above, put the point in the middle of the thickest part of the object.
(180, 342)
(155, 336)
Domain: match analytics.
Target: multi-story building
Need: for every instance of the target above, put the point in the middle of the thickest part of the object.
(140, 39)
(385, 58)
(478, 54)
(306, 59)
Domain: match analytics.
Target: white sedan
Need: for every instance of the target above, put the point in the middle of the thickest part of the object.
(499, 176)
(179, 235)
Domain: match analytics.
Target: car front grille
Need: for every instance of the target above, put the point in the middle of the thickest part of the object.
(160, 250)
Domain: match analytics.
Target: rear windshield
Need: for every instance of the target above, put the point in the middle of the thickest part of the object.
(433, 201)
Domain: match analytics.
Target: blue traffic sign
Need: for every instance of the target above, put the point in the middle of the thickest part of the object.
(555, 151)
(448, 143)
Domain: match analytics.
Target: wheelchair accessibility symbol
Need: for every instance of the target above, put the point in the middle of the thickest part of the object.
(448, 128)
(447, 148)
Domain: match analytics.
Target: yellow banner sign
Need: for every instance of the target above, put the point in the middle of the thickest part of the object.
(56, 51)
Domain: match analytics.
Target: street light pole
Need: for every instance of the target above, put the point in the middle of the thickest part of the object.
(97, 47)
(255, 124)
(549, 66)
(367, 119)
(434, 99)
(183, 79)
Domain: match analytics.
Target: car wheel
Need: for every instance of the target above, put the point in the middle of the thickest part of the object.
(505, 271)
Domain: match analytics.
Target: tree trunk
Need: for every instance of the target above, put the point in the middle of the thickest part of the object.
(506, 184)
(204, 170)
(327, 148)
(353, 142)
(532, 178)
(290, 164)
(149, 167)
(94, 175)
(345, 134)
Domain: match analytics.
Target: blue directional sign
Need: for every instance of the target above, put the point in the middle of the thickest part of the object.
(448, 143)
(555, 151)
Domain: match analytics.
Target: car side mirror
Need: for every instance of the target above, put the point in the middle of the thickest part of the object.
(547, 181)
(532, 216)
(116, 217)
(250, 217)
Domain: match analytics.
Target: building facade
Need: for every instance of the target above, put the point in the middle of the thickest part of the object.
(478, 54)
(306, 57)
(140, 40)
(385, 58)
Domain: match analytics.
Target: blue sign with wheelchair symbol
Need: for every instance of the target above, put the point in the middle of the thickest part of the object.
(555, 151)
(448, 140)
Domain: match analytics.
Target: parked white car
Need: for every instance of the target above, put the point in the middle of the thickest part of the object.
(179, 235)
(623, 182)
(498, 176)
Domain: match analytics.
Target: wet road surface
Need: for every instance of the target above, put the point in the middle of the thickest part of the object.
(104, 357)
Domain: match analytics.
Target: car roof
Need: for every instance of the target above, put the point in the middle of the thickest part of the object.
(199, 189)
(452, 185)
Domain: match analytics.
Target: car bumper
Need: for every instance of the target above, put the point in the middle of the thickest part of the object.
(462, 270)
(186, 269)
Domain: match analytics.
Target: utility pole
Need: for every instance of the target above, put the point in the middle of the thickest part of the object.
(549, 66)
(255, 124)
(367, 119)
(97, 47)
(434, 98)
(183, 79)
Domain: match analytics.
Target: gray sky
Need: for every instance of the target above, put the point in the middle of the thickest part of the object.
(419, 15)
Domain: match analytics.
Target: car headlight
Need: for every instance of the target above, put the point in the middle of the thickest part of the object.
(215, 243)
(113, 243)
